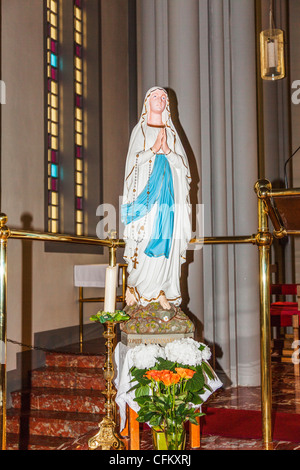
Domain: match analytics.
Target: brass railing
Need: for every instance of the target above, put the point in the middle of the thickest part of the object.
(262, 239)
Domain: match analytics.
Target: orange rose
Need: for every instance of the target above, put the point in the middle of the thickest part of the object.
(153, 375)
(169, 378)
(185, 373)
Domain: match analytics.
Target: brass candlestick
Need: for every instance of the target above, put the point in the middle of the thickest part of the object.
(106, 438)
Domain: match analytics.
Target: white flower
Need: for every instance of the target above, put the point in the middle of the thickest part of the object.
(166, 318)
(206, 353)
(185, 351)
(144, 355)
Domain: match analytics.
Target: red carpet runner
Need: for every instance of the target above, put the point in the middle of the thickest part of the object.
(247, 424)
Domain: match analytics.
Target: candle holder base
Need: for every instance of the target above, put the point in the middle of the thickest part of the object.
(106, 437)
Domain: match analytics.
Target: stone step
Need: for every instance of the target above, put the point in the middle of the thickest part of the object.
(68, 377)
(50, 423)
(59, 399)
(35, 442)
(75, 360)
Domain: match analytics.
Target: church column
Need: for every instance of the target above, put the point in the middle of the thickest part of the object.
(184, 80)
(245, 170)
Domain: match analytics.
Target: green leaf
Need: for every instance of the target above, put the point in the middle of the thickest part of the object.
(142, 391)
(208, 371)
(196, 383)
(164, 364)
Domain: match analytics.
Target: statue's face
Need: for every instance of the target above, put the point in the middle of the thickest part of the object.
(158, 101)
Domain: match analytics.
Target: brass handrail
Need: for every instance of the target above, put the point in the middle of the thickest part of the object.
(263, 239)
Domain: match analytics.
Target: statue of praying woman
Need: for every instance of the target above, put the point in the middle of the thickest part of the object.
(156, 207)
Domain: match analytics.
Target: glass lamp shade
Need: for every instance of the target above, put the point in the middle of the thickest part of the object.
(272, 54)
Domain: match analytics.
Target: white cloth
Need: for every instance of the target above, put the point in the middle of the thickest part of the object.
(123, 363)
(155, 274)
(92, 275)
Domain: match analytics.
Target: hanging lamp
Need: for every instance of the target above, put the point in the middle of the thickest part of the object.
(272, 50)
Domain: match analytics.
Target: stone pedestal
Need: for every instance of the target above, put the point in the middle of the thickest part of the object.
(154, 325)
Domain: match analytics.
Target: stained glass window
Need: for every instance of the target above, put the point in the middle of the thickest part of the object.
(78, 117)
(53, 114)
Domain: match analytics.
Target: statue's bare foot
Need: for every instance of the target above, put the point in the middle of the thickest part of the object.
(164, 302)
(129, 298)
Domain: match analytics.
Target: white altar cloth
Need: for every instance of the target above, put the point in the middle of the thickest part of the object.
(92, 275)
(122, 364)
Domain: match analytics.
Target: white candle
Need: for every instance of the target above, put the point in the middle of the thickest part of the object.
(110, 289)
(272, 53)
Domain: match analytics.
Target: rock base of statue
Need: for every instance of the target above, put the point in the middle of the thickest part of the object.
(154, 325)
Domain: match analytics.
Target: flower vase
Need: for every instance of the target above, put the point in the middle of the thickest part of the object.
(169, 439)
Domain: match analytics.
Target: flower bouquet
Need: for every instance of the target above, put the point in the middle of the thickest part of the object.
(168, 384)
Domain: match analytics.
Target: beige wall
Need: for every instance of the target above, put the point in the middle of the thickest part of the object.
(41, 295)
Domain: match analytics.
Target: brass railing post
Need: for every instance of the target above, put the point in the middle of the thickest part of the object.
(264, 242)
(4, 234)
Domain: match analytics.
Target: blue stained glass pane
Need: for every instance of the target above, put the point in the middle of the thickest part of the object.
(53, 60)
(54, 171)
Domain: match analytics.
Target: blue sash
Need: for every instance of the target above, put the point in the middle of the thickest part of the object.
(161, 191)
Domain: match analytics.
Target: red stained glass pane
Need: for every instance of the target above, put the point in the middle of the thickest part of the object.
(78, 151)
(79, 203)
(78, 50)
(54, 156)
(78, 3)
(54, 46)
(54, 184)
(53, 73)
(78, 101)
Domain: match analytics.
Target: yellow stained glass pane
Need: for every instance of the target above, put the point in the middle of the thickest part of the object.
(49, 183)
(78, 13)
(79, 191)
(53, 33)
(54, 101)
(48, 43)
(54, 143)
(78, 177)
(78, 38)
(49, 155)
(53, 19)
(78, 88)
(54, 212)
(78, 63)
(79, 216)
(54, 129)
(54, 198)
(54, 88)
(78, 25)
(49, 172)
(53, 6)
(54, 115)
(78, 76)
(78, 139)
(78, 114)
(79, 165)
(48, 71)
(79, 230)
(54, 226)
(78, 126)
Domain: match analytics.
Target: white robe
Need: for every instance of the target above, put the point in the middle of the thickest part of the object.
(152, 276)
